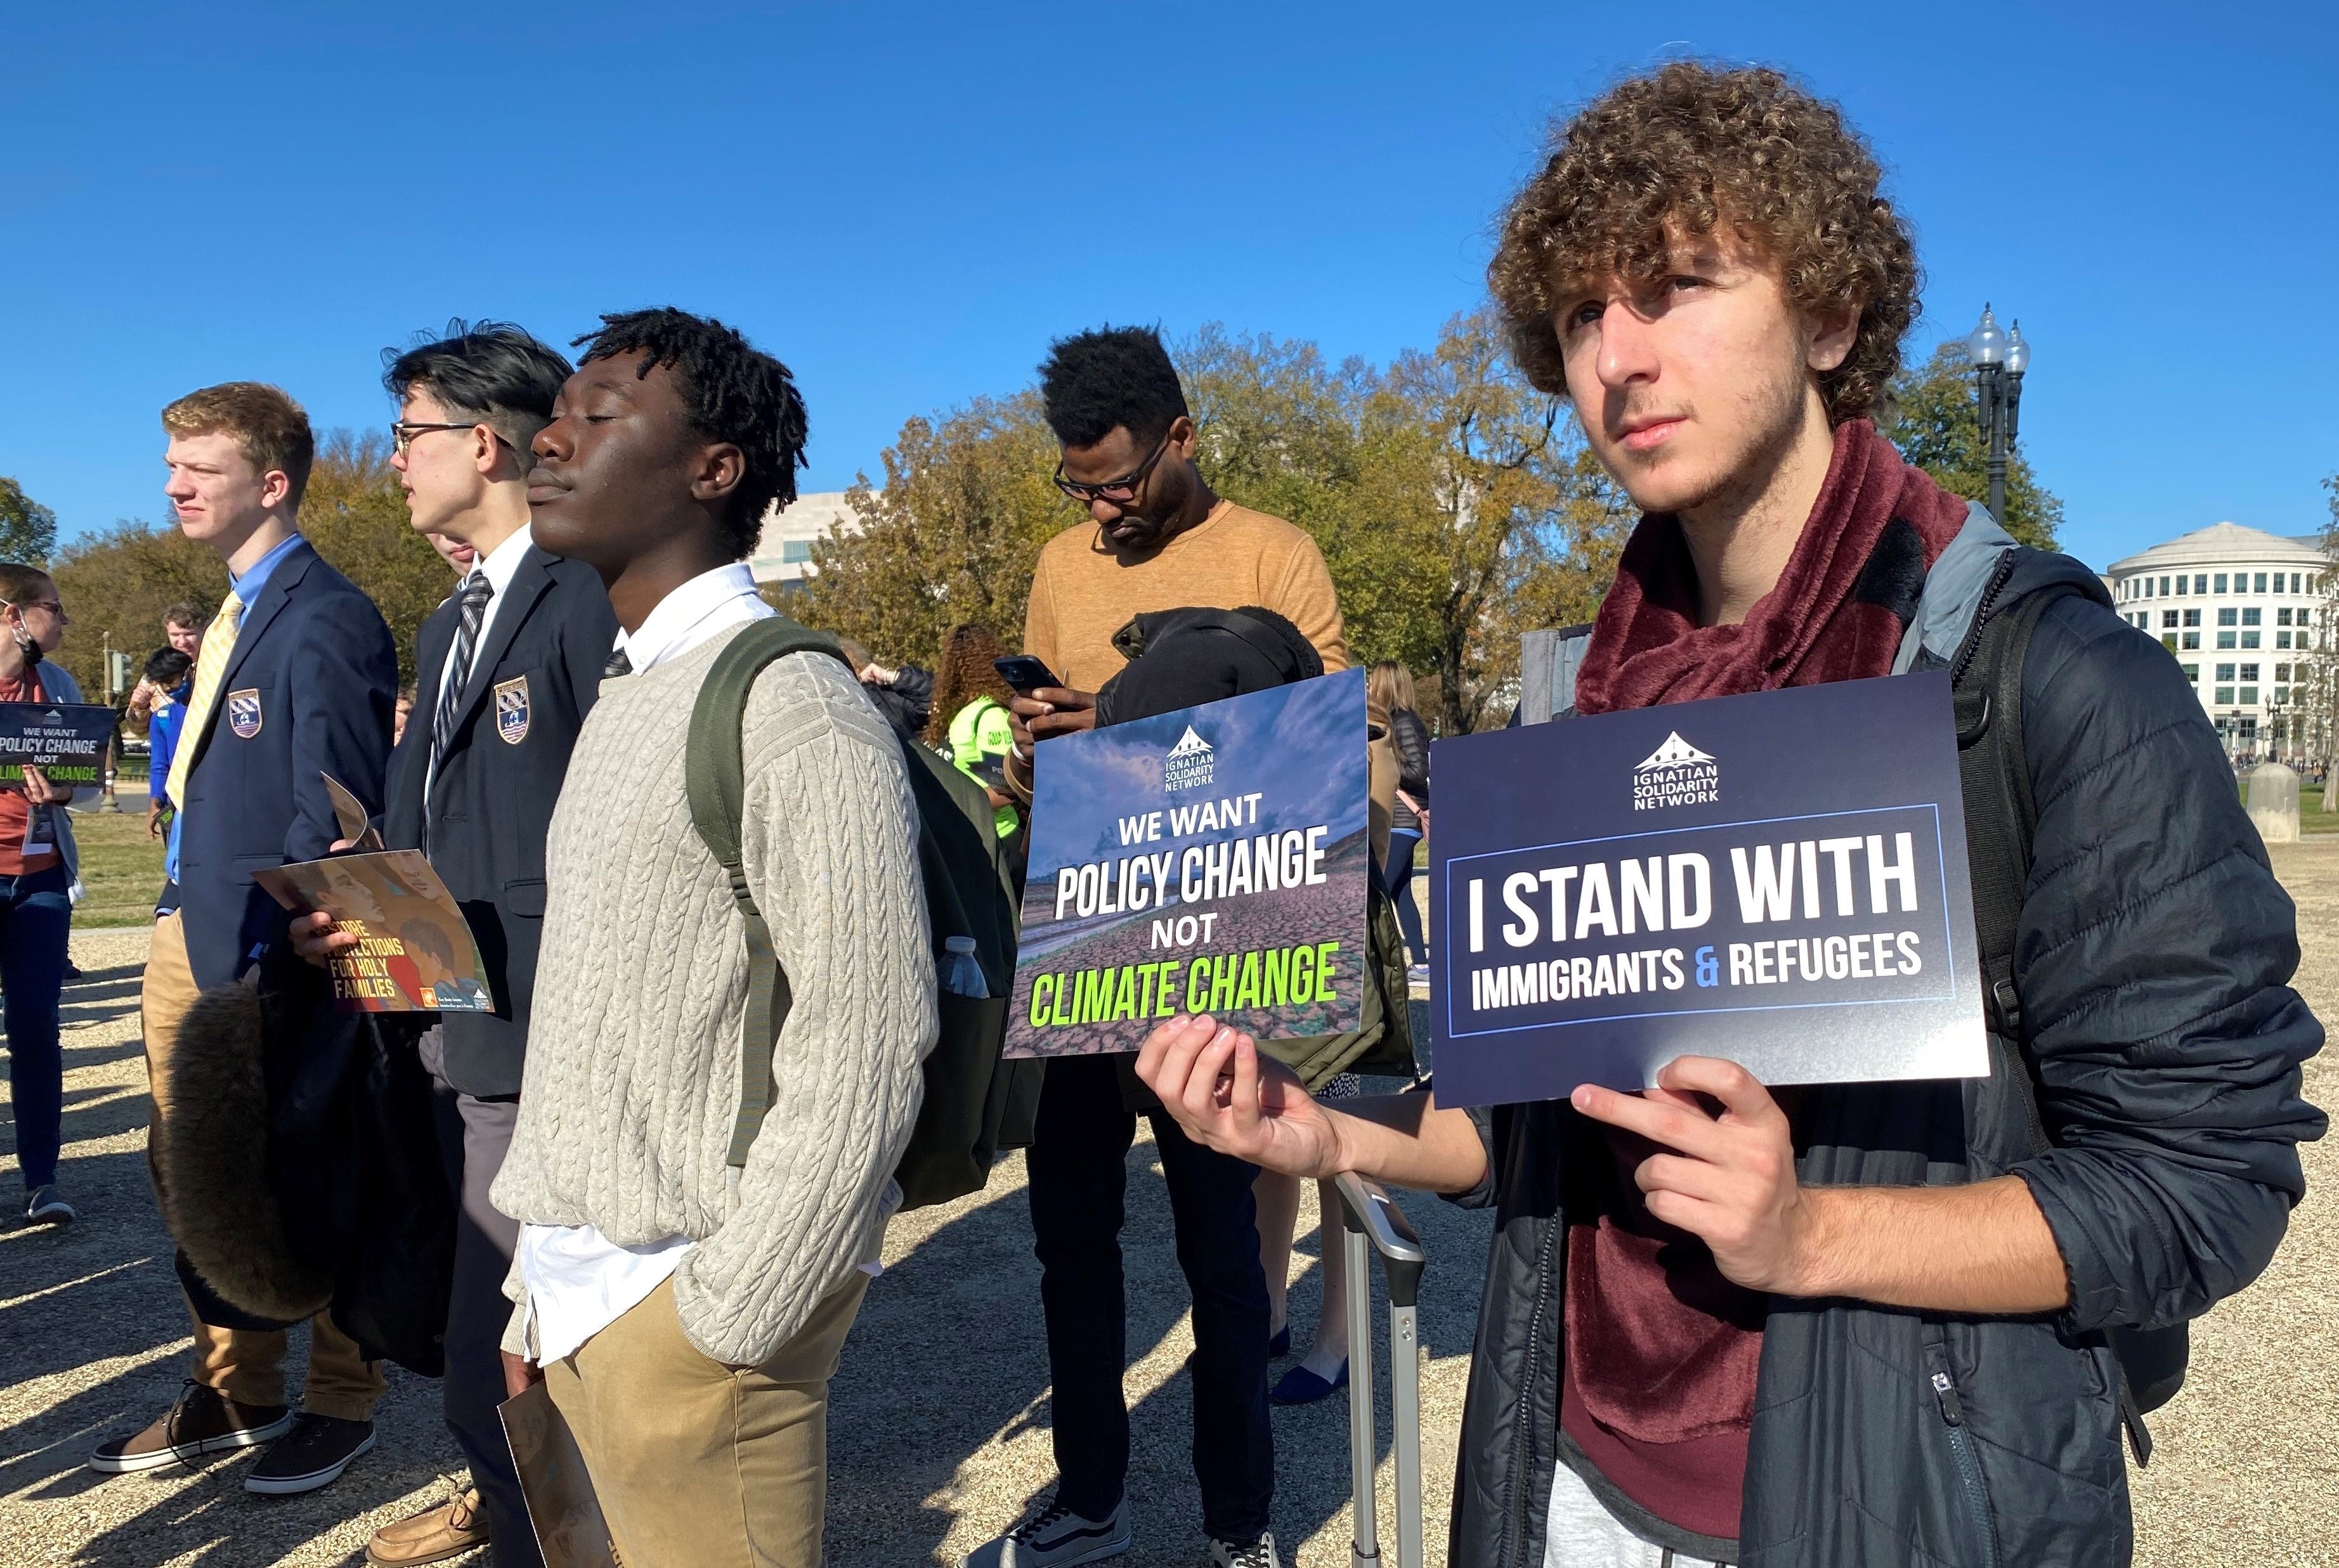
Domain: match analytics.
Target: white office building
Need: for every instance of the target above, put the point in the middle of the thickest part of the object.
(784, 554)
(2240, 608)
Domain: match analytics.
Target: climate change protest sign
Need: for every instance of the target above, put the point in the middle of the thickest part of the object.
(66, 741)
(1778, 879)
(1210, 860)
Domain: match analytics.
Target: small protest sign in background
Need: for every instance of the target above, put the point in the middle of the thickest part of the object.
(66, 741)
(1778, 879)
(1214, 859)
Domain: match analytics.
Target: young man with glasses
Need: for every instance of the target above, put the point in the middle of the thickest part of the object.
(293, 681)
(1156, 539)
(506, 671)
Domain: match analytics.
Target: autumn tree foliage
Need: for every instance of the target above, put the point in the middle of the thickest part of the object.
(1455, 507)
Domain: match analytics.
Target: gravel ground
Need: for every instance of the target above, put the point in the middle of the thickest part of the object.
(939, 1435)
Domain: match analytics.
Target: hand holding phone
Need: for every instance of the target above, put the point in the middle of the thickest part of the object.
(1024, 673)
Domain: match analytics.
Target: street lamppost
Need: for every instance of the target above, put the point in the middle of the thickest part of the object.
(1998, 358)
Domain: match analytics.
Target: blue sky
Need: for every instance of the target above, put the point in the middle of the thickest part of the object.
(905, 203)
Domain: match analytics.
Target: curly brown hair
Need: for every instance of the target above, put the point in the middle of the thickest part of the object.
(964, 672)
(1686, 151)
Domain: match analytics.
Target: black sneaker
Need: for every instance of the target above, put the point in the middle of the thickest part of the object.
(203, 1421)
(1258, 1553)
(1055, 1537)
(43, 1207)
(313, 1454)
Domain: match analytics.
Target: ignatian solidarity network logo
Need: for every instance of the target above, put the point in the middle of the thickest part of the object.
(1189, 764)
(1675, 773)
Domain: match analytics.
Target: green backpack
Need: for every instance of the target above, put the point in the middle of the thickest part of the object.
(976, 1104)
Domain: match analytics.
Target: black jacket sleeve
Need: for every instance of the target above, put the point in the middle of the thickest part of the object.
(1410, 736)
(2153, 961)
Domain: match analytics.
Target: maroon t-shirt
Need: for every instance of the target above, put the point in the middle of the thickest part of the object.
(1662, 1352)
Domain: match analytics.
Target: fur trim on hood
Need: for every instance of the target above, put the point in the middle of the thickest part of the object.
(212, 1154)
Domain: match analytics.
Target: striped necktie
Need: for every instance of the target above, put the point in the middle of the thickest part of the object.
(476, 592)
(619, 665)
(211, 669)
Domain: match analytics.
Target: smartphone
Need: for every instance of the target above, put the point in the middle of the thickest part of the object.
(1024, 673)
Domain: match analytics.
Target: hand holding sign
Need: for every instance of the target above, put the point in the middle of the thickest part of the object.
(1728, 1177)
(1213, 1080)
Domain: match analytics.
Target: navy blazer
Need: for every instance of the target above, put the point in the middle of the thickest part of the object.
(533, 679)
(308, 692)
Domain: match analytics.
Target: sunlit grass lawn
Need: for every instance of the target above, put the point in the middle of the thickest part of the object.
(120, 865)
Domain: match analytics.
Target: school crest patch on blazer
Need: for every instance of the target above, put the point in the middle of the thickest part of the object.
(512, 710)
(244, 714)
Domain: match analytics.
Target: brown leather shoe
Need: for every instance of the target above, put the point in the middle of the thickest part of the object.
(204, 1420)
(433, 1535)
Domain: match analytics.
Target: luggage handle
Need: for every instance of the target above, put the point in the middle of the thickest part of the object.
(1371, 1219)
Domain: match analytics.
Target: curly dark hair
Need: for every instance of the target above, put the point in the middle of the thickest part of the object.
(732, 391)
(1114, 376)
(964, 672)
(1686, 151)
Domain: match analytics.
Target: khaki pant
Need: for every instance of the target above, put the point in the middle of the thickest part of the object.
(698, 1464)
(246, 1365)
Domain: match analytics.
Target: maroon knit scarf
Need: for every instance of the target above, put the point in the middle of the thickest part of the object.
(1837, 613)
(1662, 1350)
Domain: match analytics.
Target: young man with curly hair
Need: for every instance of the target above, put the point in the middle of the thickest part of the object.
(1850, 1323)
(687, 1315)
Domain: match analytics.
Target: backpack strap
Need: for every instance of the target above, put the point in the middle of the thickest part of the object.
(2001, 818)
(714, 778)
(1994, 772)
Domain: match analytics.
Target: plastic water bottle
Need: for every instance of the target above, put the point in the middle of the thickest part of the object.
(961, 972)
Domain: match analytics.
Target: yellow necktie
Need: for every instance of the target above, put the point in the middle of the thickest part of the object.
(211, 668)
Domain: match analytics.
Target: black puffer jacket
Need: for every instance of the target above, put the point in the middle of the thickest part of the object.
(1410, 737)
(2153, 962)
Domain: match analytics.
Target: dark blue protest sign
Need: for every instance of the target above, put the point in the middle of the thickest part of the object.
(66, 741)
(1214, 859)
(1778, 879)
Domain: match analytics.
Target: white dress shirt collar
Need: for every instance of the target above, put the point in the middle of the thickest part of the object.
(502, 563)
(706, 605)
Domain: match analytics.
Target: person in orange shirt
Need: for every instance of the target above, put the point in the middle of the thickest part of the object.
(1157, 537)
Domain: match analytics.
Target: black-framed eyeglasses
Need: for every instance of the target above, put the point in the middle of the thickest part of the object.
(1114, 490)
(403, 431)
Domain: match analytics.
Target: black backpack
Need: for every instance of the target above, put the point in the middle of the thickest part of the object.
(1994, 769)
(976, 1103)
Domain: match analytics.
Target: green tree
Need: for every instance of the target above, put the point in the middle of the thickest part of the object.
(28, 530)
(1480, 514)
(354, 512)
(951, 537)
(1455, 505)
(1936, 426)
(116, 583)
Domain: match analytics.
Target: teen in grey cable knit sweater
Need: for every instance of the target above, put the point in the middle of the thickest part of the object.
(686, 1330)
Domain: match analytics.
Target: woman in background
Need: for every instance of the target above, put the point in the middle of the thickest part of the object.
(38, 870)
(968, 723)
(1390, 687)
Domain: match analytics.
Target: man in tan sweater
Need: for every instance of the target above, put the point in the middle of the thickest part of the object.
(1158, 539)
